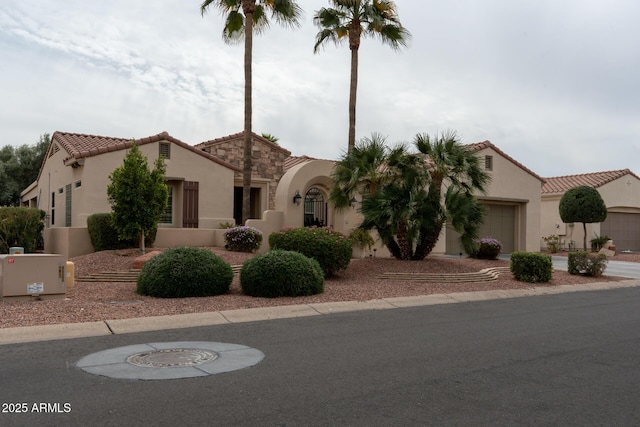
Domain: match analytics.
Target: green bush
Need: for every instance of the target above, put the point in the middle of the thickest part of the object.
(598, 242)
(279, 273)
(531, 267)
(332, 250)
(184, 272)
(243, 239)
(102, 233)
(20, 226)
(487, 248)
(361, 238)
(104, 236)
(582, 262)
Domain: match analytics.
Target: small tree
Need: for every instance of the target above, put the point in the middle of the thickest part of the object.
(138, 196)
(582, 204)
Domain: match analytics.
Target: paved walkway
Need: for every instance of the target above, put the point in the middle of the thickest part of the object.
(124, 326)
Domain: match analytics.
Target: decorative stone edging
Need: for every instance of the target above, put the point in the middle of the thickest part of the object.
(126, 275)
(484, 275)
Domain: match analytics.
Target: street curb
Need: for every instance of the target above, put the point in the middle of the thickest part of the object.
(25, 334)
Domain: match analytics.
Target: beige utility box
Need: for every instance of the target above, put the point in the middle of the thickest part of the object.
(32, 276)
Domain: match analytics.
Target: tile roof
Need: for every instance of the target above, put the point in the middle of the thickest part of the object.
(239, 135)
(80, 146)
(478, 146)
(292, 161)
(560, 184)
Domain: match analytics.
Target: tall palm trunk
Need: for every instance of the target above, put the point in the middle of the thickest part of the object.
(248, 7)
(354, 45)
(352, 99)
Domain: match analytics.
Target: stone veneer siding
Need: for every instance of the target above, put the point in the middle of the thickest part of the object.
(267, 161)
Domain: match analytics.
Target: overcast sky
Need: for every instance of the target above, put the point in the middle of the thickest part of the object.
(554, 84)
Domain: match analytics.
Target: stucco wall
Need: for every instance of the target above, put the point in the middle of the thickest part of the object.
(511, 185)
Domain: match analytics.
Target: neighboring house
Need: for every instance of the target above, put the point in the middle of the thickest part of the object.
(620, 190)
(512, 201)
(267, 167)
(73, 179)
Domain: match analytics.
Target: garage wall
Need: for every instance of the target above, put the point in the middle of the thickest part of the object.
(623, 229)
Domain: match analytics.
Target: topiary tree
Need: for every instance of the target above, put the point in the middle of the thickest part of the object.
(184, 272)
(279, 273)
(582, 204)
(138, 196)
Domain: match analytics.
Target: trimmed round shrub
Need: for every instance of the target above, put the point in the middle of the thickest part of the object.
(531, 267)
(243, 239)
(487, 248)
(279, 273)
(184, 272)
(332, 250)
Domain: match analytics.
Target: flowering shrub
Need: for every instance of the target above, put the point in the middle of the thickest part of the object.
(553, 243)
(487, 248)
(330, 248)
(243, 239)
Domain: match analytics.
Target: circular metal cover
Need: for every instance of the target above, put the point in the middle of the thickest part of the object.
(172, 357)
(170, 360)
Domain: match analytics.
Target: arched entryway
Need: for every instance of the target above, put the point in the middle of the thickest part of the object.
(315, 208)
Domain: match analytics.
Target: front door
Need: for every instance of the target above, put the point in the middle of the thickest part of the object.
(315, 208)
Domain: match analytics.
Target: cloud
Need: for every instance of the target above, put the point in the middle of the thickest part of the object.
(552, 84)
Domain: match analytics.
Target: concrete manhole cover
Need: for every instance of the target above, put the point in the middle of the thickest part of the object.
(170, 360)
(172, 357)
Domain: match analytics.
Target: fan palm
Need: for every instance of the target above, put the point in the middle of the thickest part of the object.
(407, 197)
(243, 17)
(348, 20)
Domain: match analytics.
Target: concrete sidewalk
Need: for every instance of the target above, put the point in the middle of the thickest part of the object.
(124, 326)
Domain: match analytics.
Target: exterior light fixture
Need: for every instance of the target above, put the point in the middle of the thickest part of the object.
(297, 197)
(353, 201)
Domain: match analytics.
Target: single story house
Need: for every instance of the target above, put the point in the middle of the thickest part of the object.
(73, 179)
(620, 190)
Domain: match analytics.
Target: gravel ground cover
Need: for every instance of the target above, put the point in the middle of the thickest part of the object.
(89, 301)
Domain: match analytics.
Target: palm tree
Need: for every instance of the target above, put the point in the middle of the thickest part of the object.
(414, 194)
(455, 168)
(243, 17)
(349, 20)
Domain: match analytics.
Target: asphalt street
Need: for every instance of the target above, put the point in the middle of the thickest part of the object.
(565, 359)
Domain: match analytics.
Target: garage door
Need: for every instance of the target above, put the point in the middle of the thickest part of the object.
(624, 229)
(500, 223)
